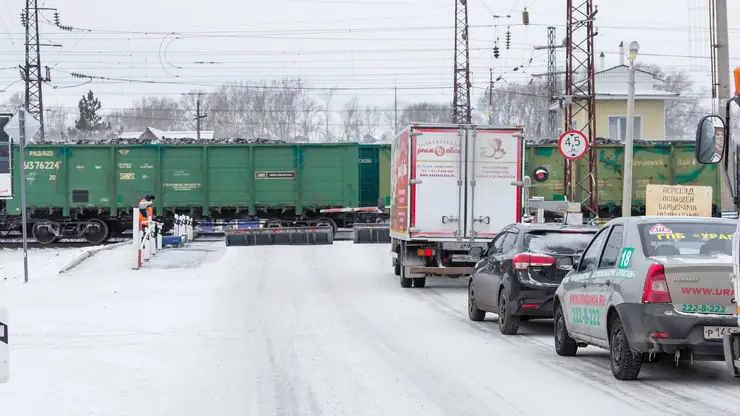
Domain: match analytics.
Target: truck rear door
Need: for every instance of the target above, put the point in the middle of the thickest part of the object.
(494, 162)
(437, 178)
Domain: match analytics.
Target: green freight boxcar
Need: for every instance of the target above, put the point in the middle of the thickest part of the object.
(71, 187)
(670, 163)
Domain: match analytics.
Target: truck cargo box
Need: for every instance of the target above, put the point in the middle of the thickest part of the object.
(452, 183)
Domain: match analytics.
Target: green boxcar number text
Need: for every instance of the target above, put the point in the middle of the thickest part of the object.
(587, 316)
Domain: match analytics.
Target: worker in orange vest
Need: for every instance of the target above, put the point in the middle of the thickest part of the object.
(146, 209)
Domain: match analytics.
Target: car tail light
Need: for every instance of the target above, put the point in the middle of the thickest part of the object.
(425, 252)
(656, 286)
(523, 261)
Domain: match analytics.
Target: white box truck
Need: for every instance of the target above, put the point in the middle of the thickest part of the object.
(452, 190)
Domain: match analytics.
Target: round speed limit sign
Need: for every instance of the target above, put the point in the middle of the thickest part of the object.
(573, 145)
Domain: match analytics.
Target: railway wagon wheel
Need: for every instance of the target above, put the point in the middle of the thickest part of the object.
(45, 231)
(95, 231)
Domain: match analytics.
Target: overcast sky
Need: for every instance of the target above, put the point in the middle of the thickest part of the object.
(364, 47)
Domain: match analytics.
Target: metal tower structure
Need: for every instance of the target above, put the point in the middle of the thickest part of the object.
(32, 70)
(461, 92)
(552, 121)
(580, 103)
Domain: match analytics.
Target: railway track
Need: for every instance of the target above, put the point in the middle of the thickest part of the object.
(15, 243)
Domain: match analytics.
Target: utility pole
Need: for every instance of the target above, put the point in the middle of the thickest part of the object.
(552, 80)
(490, 99)
(629, 140)
(461, 91)
(395, 109)
(724, 91)
(552, 114)
(198, 116)
(32, 69)
(580, 102)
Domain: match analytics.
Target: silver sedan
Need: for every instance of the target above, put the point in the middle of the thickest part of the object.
(647, 287)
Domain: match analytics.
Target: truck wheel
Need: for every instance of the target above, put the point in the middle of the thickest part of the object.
(420, 282)
(405, 282)
(396, 268)
(474, 313)
(508, 324)
(564, 344)
(625, 362)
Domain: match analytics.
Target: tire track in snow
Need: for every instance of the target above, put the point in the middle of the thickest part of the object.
(594, 369)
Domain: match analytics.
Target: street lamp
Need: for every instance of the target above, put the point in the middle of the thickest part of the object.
(630, 134)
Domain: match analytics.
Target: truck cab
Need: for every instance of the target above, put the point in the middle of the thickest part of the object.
(713, 142)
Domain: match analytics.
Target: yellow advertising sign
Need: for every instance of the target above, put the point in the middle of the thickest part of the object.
(678, 200)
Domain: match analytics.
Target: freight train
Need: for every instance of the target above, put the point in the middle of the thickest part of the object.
(90, 190)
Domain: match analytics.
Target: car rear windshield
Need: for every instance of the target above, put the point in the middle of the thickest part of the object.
(686, 238)
(558, 242)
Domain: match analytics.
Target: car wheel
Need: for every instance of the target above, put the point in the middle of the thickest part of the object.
(508, 324)
(396, 267)
(625, 362)
(420, 282)
(564, 344)
(474, 313)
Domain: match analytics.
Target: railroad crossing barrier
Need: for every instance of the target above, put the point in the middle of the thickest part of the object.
(184, 227)
(147, 240)
(371, 233)
(280, 236)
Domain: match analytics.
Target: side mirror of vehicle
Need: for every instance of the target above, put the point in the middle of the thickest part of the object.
(710, 140)
(576, 262)
(476, 252)
(566, 263)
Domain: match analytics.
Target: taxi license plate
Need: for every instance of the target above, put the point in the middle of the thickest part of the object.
(718, 332)
(463, 257)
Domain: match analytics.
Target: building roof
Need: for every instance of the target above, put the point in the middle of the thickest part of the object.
(626, 66)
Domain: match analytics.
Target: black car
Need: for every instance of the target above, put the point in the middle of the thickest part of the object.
(518, 274)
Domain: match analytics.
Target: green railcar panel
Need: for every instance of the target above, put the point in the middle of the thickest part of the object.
(275, 171)
(45, 171)
(384, 166)
(137, 174)
(368, 164)
(548, 157)
(229, 176)
(329, 175)
(182, 173)
(659, 163)
(690, 172)
(89, 177)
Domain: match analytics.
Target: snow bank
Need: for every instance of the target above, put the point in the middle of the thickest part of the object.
(105, 339)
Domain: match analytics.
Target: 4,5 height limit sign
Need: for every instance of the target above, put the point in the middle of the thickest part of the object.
(573, 145)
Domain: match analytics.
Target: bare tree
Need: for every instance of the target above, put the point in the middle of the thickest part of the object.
(351, 121)
(12, 104)
(682, 112)
(55, 122)
(369, 122)
(327, 96)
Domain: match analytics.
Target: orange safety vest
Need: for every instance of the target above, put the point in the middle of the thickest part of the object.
(149, 211)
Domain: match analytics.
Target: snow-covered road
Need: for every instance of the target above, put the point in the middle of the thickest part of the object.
(318, 330)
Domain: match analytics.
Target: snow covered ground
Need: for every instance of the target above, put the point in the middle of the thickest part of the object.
(319, 330)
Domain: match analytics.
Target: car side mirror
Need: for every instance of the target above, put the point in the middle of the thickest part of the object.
(576, 263)
(476, 252)
(710, 140)
(566, 263)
